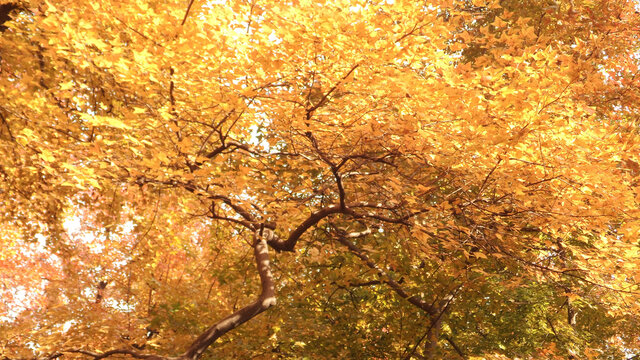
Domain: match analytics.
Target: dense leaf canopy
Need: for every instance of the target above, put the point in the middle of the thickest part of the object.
(344, 179)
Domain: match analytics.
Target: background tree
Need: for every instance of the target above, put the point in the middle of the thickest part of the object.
(436, 180)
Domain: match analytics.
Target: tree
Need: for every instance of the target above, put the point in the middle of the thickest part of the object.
(408, 180)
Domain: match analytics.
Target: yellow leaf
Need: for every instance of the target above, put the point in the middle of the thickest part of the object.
(113, 122)
(67, 85)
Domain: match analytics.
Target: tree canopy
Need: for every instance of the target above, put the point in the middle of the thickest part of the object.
(319, 179)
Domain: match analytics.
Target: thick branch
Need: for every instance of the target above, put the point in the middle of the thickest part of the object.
(290, 243)
(435, 324)
(6, 125)
(341, 193)
(266, 300)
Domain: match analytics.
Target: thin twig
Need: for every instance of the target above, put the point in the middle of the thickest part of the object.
(187, 12)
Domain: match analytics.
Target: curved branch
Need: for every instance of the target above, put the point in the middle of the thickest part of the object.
(266, 300)
(290, 243)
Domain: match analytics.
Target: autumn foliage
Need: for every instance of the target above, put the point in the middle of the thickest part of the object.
(307, 179)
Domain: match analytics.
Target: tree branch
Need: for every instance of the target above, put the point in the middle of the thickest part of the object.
(435, 322)
(266, 300)
(106, 354)
(186, 13)
(290, 243)
(395, 286)
(455, 347)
